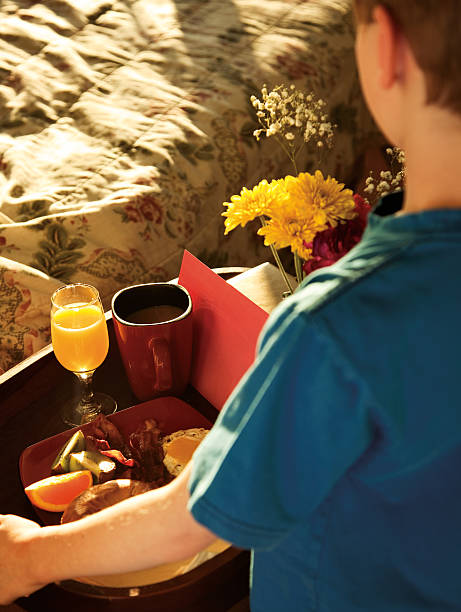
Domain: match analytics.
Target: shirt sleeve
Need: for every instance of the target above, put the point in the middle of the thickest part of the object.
(299, 418)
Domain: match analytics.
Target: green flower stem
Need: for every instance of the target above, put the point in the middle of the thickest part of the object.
(298, 268)
(281, 268)
(290, 154)
(279, 262)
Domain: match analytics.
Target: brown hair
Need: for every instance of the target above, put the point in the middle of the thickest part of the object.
(433, 30)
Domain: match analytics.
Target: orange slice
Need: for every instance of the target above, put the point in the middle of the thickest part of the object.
(56, 492)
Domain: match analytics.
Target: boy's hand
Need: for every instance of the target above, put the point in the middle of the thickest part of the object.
(16, 577)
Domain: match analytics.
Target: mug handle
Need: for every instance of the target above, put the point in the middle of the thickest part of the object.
(162, 364)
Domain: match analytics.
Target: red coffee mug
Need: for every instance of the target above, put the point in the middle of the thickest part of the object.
(153, 327)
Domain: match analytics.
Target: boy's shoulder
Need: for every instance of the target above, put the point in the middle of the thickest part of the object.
(351, 275)
(379, 245)
(382, 282)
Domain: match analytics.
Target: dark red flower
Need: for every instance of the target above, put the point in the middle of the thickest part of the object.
(331, 244)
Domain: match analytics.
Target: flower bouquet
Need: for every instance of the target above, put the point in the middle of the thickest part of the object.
(317, 217)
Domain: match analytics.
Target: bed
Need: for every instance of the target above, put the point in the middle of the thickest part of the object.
(125, 125)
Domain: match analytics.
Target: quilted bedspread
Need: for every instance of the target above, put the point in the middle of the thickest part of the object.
(125, 125)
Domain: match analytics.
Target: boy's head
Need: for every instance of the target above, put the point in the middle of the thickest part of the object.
(433, 31)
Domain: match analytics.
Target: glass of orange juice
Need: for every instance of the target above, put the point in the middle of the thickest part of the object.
(80, 342)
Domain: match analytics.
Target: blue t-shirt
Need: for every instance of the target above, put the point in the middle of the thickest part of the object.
(337, 459)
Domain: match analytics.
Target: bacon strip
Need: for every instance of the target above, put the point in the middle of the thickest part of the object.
(113, 453)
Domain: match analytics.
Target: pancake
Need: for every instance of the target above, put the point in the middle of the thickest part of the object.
(102, 496)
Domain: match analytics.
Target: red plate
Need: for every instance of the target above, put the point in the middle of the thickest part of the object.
(170, 413)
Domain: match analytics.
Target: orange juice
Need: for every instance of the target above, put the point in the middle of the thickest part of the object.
(79, 336)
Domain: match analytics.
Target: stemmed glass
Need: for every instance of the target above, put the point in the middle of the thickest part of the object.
(80, 342)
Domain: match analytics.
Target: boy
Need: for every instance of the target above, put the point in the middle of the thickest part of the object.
(336, 460)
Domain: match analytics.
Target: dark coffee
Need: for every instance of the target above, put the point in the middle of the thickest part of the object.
(155, 314)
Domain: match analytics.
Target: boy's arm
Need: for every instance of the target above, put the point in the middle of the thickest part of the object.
(140, 532)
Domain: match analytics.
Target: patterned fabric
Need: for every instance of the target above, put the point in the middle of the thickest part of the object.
(126, 124)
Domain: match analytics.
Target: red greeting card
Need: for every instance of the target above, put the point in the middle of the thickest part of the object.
(226, 329)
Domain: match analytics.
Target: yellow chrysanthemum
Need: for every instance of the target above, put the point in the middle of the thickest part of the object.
(283, 232)
(324, 194)
(251, 203)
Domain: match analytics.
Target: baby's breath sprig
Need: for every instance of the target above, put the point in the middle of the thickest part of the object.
(390, 180)
(294, 118)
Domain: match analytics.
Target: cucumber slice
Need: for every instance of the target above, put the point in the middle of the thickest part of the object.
(74, 444)
(99, 465)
